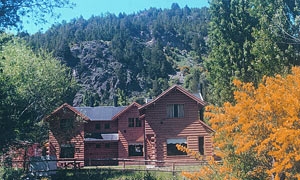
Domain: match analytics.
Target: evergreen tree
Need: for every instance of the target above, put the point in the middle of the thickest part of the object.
(246, 44)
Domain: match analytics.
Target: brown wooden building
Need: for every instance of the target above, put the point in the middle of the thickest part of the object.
(174, 117)
(148, 132)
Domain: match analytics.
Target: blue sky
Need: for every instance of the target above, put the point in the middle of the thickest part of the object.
(87, 8)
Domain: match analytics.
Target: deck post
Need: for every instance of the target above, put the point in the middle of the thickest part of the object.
(173, 169)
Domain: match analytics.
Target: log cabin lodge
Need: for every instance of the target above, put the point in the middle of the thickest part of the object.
(99, 135)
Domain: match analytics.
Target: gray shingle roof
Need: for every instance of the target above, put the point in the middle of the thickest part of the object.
(100, 113)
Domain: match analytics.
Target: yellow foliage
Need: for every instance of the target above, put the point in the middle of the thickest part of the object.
(210, 170)
(264, 121)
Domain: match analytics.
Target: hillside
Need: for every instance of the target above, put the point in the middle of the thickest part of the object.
(130, 56)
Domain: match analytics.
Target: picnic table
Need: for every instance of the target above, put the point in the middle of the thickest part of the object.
(73, 164)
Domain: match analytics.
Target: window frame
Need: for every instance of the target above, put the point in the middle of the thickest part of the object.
(132, 150)
(107, 125)
(138, 122)
(171, 146)
(98, 126)
(64, 148)
(201, 145)
(131, 122)
(98, 145)
(175, 110)
(107, 145)
(134, 122)
(66, 123)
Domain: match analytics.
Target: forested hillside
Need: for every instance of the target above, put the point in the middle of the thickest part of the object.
(240, 54)
(131, 56)
(138, 55)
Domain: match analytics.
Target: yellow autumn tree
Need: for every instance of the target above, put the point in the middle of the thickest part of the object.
(210, 170)
(263, 123)
(258, 136)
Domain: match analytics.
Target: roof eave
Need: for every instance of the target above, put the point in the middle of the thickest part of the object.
(199, 101)
(126, 109)
(66, 105)
(207, 126)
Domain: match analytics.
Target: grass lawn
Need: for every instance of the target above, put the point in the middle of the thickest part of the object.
(110, 174)
(131, 172)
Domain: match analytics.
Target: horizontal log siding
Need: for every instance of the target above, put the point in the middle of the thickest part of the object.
(129, 135)
(102, 152)
(208, 146)
(74, 135)
(53, 145)
(90, 127)
(77, 141)
(190, 127)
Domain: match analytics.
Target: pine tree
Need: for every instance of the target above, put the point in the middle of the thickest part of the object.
(248, 40)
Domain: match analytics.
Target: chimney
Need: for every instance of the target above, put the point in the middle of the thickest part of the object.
(115, 98)
(147, 100)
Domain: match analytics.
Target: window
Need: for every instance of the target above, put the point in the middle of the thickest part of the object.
(201, 145)
(106, 126)
(201, 114)
(67, 151)
(138, 122)
(171, 146)
(134, 122)
(66, 124)
(107, 145)
(95, 135)
(135, 150)
(87, 134)
(98, 145)
(97, 126)
(175, 110)
(130, 122)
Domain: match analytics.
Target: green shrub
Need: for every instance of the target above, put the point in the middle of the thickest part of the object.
(12, 174)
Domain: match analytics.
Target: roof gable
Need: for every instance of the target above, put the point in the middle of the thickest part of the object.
(134, 104)
(67, 106)
(180, 89)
